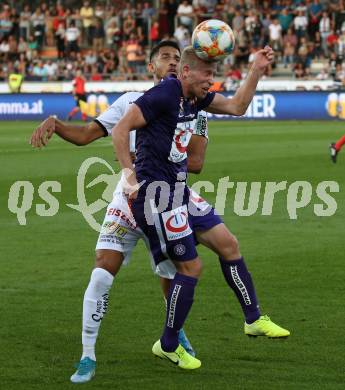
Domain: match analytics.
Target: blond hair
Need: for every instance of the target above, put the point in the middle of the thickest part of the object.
(189, 57)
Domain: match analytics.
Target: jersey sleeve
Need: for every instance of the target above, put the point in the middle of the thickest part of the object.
(109, 118)
(157, 100)
(206, 101)
(201, 125)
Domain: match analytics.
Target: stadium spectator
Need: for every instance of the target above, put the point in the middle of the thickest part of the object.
(90, 57)
(5, 22)
(154, 33)
(4, 49)
(238, 21)
(232, 79)
(98, 35)
(185, 13)
(142, 39)
(60, 40)
(163, 21)
(86, 14)
(323, 74)
(341, 45)
(249, 22)
(288, 54)
(277, 8)
(33, 47)
(24, 22)
(75, 15)
(172, 10)
(38, 24)
(241, 51)
(59, 17)
(317, 51)
(253, 22)
(301, 24)
(113, 35)
(95, 74)
(72, 38)
(148, 12)
(332, 64)
(22, 46)
(51, 68)
(285, 18)
(276, 40)
(128, 27)
(138, 15)
(13, 48)
(180, 34)
(129, 10)
(325, 30)
(315, 13)
(14, 17)
(21, 64)
(339, 74)
(133, 53)
(332, 40)
(99, 11)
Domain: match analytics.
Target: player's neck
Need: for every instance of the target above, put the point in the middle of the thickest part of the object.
(185, 89)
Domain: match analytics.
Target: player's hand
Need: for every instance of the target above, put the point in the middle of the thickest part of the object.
(130, 185)
(263, 58)
(41, 136)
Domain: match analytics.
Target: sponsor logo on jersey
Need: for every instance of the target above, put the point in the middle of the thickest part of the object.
(176, 223)
(182, 136)
(114, 228)
(125, 218)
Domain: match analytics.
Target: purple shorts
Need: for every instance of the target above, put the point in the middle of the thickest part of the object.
(170, 233)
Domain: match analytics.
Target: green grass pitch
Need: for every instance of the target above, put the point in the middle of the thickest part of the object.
(297, 265)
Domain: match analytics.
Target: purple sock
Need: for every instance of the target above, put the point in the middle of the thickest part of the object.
(239, 279)
(179, 302)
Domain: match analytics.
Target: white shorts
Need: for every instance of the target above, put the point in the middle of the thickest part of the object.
(121, 233)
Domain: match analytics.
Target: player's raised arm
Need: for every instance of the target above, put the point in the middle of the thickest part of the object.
(77, 135)
(239, 103)
(133, 119)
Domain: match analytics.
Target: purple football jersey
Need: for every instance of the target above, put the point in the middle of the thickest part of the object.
(161, 145)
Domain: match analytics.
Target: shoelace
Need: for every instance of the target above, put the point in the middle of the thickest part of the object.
(83, 367)
(180, 352)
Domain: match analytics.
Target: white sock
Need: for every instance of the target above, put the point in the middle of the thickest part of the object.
(94, 307)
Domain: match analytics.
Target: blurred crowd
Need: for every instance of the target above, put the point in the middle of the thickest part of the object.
(110, 40)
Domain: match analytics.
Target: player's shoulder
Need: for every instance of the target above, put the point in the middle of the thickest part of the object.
(126, 99)
(168, 88)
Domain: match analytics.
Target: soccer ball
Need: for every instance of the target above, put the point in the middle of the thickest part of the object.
(213, 40)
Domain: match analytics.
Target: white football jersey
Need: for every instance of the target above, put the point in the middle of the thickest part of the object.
(109, 118)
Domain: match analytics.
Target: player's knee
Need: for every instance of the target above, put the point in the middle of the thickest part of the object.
(109, 260)
(190, 268)
(231, 248)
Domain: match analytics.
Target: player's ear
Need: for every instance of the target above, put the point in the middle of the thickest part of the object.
(185, 70)
(150, 67)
